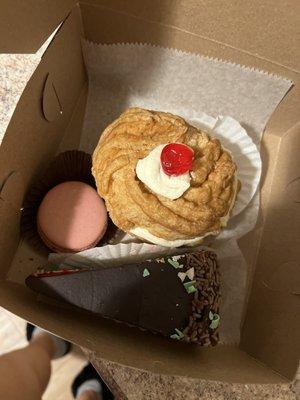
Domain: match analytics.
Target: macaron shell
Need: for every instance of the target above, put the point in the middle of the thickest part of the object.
(72, 217)
(59, 249)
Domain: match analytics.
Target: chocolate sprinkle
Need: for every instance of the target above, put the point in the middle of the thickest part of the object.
(201, 328)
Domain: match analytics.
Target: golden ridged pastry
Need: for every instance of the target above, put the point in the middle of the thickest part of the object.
(131, 204)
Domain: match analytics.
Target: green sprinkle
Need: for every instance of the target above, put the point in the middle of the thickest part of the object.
(179, 333)
(175, 336)
(215, 322)
(189, 283)
(191, 289)
(174, 263)
(146, 273)
(211, 315)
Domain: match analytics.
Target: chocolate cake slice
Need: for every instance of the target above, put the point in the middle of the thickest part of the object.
(175, 296)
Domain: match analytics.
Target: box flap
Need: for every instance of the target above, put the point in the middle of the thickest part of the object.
(31, 140)
(25, 25)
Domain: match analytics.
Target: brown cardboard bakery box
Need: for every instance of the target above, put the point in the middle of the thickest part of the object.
(49, 118)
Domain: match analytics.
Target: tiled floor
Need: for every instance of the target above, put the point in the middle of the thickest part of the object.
(64, 370)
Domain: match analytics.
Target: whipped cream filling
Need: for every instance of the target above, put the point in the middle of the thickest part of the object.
(146, 235)
(150, 172)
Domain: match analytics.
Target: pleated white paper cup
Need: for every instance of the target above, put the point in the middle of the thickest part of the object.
(245, 153)
(111, 255)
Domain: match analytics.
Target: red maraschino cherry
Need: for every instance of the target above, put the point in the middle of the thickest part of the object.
(176, 159)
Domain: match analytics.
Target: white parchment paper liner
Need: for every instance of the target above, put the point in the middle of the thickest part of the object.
(142, 75)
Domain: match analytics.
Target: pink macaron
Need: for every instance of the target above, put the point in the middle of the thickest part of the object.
(72, 217)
